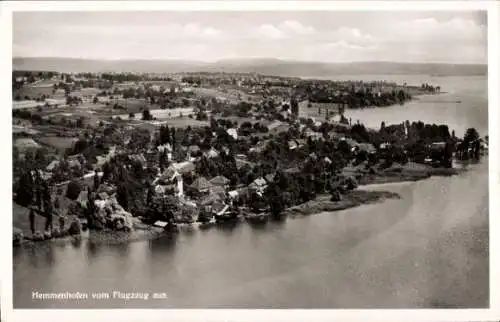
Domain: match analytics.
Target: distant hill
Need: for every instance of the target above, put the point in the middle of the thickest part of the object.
(266, 66)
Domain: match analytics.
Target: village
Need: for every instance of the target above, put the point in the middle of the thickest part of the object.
(128, 152)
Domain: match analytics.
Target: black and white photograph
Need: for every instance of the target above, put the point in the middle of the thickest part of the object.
(247, 158)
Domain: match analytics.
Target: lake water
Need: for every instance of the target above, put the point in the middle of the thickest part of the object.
(472, 111)
(427, 249)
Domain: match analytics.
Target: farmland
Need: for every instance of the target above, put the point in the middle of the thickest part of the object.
(32, 92)
(232, 96)
(59, 143)
(178, 122)
(163, 113)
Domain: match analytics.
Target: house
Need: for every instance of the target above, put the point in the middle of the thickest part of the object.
(194, 149)
(74, 164)
(184, 167)
(25, 144)
(301, 142)
(233, 132)
(217, 190)
(83, 197)
(138, 158)
(260, 146)
(352, 143)
(220, 181)
(102, 196)
(210, 199)
(165, 147)
(283, 127)
(160, 224)
(54, 164)
(384, 146)
(219, 208)
(159, 189)
(270, 177)
(367, 147)
(233, 194)
(285, 114)
(201, 185)
(316, 136)
(101, 160)
(274, 125)
(293, 170)
(292, 145)
(172, 176)
(313, 156)
(241, 163)
(439, 146)
(212, 153)
(259, 185)
(337, 118)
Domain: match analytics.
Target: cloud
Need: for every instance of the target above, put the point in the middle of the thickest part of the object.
(295, 27)
(346, 45)
(432, 30)
(170, 31)
(270, 31)
(353, 35)
(426, 36)
(286, 29)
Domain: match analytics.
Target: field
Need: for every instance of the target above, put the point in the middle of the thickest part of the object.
(241, 120)
(179, 122)
(313, 112)
(32, 92)
(161, 114)
(231, 95)
(20, 219)
(165, 84)
(86, 92)
(59, 143)
(132, 105)
(24, 144)
(183, 122)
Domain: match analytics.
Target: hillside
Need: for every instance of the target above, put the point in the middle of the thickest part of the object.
(260, 66)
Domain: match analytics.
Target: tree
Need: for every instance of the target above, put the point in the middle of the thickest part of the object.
(164, 135)
(122, 195)
(73, 190)
(335, 195)
(80, 122)
(24, 193)
(146, 115)
(97, 182)
(294, 106)
(471, 135)
(275, 200)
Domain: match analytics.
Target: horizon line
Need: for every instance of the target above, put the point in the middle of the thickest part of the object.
(243, 59)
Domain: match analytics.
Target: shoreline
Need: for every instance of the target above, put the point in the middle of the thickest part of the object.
(322, 203)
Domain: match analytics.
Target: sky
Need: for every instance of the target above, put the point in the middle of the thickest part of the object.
(431, 36)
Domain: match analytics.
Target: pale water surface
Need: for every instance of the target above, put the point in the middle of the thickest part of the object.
(427, 249)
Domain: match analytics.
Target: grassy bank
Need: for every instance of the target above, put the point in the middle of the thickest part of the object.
(352, 199)
(399, 173)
